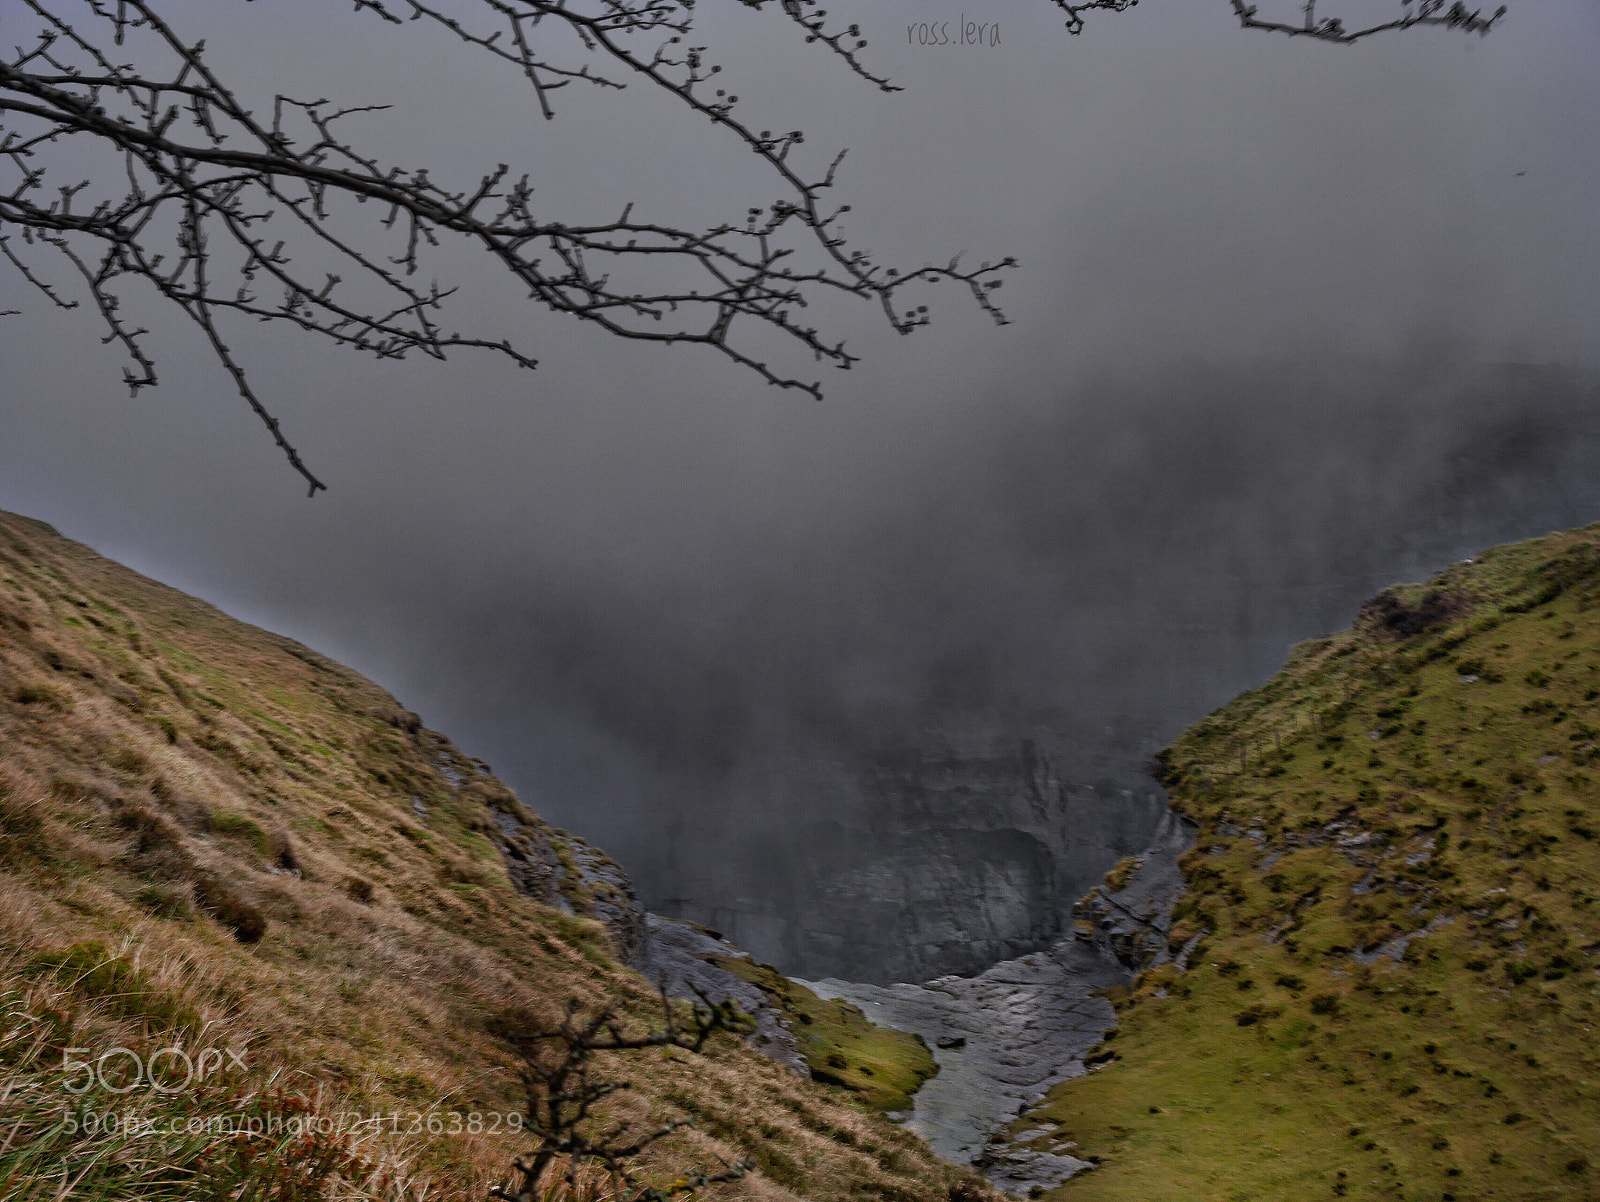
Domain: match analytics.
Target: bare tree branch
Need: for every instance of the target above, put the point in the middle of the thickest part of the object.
(1075, 11)
(563, 1092)
(226, 216)
(1332, 29)
(1323, 29)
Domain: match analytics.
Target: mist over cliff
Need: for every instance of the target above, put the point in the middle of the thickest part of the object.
(943, 711)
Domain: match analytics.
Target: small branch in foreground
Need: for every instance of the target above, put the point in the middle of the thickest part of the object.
(562, 1094)
(1333, 29)
(1449, 14)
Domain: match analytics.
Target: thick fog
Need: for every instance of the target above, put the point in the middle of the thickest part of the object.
(1290, 322)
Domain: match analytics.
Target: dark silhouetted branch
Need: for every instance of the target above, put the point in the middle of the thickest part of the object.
(562, 1093)
(226, 215)
(1450, 14)
(1414, 13)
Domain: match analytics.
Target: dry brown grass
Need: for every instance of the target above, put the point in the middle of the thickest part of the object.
(223, 822)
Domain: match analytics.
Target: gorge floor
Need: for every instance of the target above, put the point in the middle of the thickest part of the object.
(1004, 1037)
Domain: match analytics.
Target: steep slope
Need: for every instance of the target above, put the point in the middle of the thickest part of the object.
(214, 838)
(1393, 993)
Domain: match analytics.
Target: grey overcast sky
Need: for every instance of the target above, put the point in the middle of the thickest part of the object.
(1251, 376)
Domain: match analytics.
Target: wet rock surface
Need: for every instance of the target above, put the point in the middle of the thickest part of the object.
(565, 872)
(1004, 1037)
(530, 860)
(611, 899)
(1132, 923)
(1026, 1023)
(1018, 1170)
(561, 870)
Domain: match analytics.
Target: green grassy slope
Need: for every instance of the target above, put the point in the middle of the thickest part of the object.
(212, 837)
(1395, 992)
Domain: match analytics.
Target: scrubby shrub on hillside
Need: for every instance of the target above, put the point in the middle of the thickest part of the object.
(165, 901)
(1118, 877)
(157, 849)
(1390, 613)
(246, 830)
(23, 837)
(245, 921)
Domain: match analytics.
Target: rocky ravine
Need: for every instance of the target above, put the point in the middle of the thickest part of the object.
(1001, 1038)
(1004, 1037)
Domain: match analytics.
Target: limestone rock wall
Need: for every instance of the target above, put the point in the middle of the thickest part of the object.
(918, 862)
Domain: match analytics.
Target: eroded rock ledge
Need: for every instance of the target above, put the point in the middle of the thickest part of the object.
(562, 870)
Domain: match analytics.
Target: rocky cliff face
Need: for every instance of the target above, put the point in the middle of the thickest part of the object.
(919, 862)
(821, 747)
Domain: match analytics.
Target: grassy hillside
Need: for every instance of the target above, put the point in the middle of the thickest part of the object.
(212, 837)
(1395, 990)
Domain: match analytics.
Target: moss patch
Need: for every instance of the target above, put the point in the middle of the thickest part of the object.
(885, 1067)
